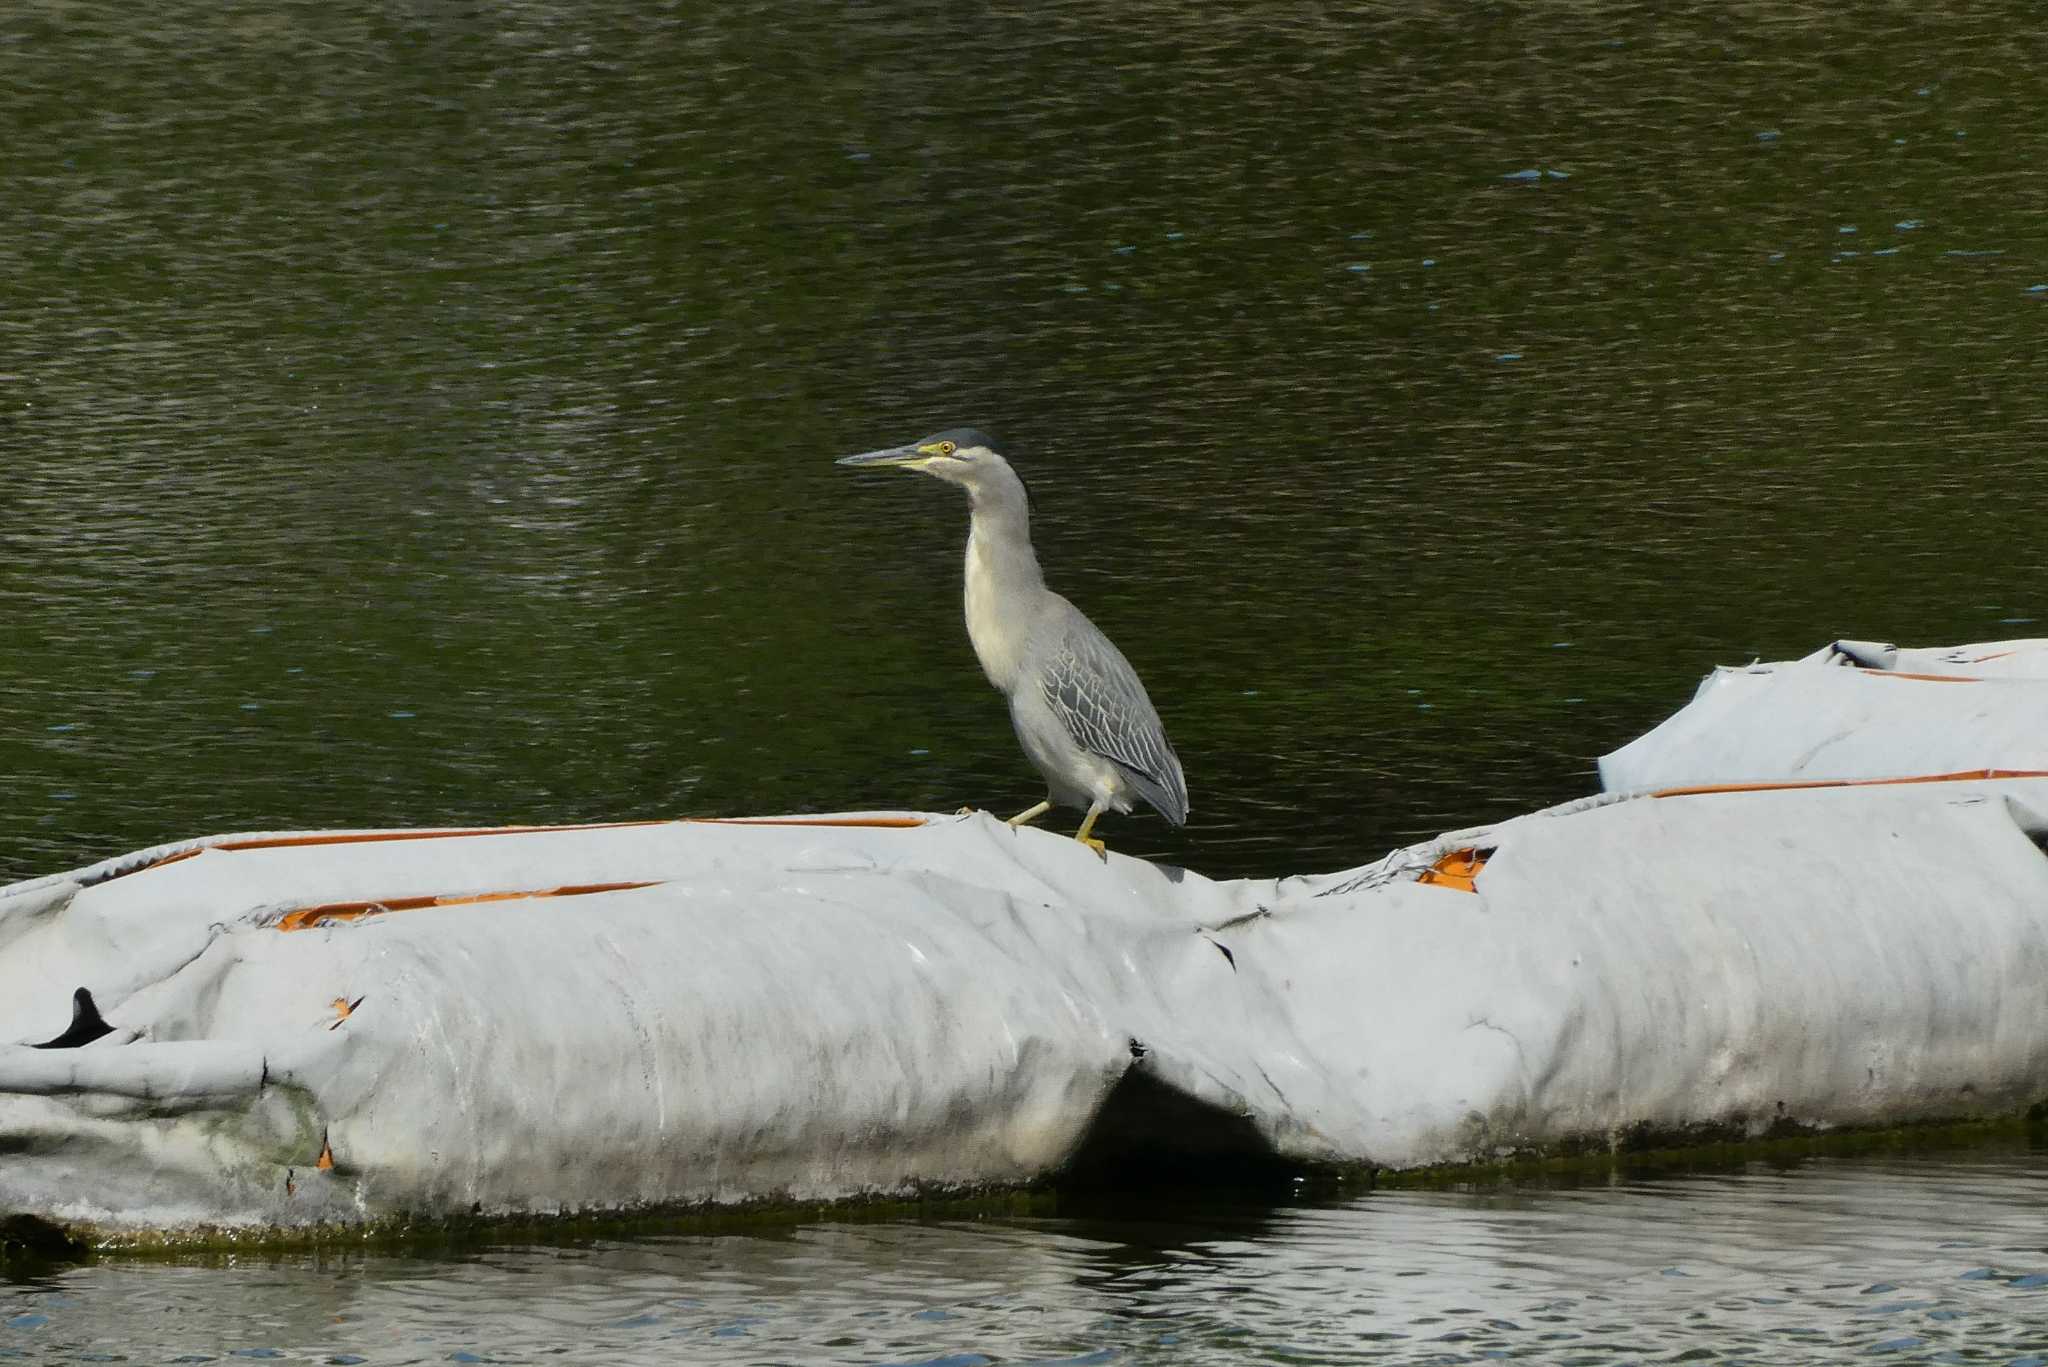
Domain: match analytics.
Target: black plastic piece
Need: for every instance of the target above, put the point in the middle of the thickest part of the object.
(86, 1024)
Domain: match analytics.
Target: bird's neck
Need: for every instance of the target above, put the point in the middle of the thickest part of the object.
(1004, 584)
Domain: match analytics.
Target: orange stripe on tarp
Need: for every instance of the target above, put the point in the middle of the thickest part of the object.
(278, 842)
(178, 858)
(1960, 776)
(307, 917)
(281, 842)
(1925, 678)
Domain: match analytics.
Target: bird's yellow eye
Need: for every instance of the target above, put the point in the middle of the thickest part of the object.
(946, 448)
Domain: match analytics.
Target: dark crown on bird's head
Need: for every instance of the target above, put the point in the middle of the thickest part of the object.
(966, 438)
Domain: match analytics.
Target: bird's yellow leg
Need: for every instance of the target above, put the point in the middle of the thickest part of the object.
(1030, 814)
(1087, 825)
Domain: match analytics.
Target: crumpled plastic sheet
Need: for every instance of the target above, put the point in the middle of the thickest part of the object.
(494, 1024)
(1853, 710)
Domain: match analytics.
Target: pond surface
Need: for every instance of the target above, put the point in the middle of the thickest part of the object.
(1935, 1258)
(421, 414)
(415, 413)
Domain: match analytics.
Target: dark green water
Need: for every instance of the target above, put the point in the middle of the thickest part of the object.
(418, 413)
(415, 412)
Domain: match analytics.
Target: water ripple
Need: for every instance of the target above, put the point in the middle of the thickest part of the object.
(1912, 1259)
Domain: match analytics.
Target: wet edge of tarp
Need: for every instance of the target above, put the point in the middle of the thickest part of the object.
(28, 1243)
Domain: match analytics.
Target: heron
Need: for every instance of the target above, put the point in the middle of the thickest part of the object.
(1081, 714)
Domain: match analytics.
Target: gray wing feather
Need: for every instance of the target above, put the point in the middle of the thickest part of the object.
(1096, 694)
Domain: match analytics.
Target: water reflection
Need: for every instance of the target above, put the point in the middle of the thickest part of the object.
(1921, 1257)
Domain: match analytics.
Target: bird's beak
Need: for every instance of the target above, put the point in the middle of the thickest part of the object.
(894, 455)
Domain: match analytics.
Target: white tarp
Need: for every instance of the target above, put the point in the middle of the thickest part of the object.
(1854, 710)
(818, 1011)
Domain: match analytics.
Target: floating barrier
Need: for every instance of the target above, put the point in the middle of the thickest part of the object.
(1854, 710)
(297, 1031)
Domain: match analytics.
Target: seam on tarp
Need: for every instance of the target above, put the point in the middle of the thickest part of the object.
(306, 918)
(156, 856)
(1798, 784)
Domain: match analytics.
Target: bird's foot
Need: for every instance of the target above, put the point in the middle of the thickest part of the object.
(965, 811)
(1086, 833)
